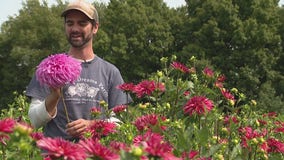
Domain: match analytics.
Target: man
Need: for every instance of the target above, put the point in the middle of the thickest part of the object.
(97, 82)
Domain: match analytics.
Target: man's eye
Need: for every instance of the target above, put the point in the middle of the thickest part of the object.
(83, 24)
(69, 23)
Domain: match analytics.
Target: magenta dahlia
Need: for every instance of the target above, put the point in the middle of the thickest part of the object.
(100, 128)
(95, 111)
(116, 146)
(179, 66)
(57, 148)
(198, 105)
(58, 70)
(146, 122)
(190, 155)
(227, 94)
(208, 72)
(95, 150)
(6, 127)
(126, 87)
(275, 146)
(155, 145)
(147, 87)
(37, 136)
(119, 108)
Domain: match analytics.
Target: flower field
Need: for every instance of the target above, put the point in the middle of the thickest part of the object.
(183, 112)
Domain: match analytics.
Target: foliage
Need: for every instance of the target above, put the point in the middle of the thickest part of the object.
(240, 37)
(138, 35)
(20, 145)
(25, 40)
(180, 112)
(244, 39)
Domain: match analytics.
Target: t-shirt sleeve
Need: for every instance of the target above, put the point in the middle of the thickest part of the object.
(36, 90)
(117, 96)
(38, 113)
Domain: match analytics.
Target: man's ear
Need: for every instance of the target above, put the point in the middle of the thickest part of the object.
(95, 28)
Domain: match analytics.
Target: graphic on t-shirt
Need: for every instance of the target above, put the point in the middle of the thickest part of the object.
(82, 90)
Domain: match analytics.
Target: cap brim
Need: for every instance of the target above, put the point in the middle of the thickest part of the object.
(64, 13)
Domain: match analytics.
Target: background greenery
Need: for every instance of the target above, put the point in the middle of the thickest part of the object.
(243, 39)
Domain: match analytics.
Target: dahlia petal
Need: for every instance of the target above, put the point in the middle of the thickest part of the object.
(58, 70)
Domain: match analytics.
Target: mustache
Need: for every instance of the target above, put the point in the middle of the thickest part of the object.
(75, 34)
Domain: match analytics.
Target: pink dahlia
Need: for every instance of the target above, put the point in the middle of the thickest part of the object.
(37, 135)
(147, 87)
(118, 146)
(271, 115)
(228, 119)
(186, 93)
(96, 150)
(119, 108)
(100, 128)
(126, 87)
(208, 72)
(56, 148)
(58, 70)
(221, 78)
(198, 105)
(146, 122)
(179, 66)
(6, 127)
(95, 111)
(190, 155)
(227, 94)
(275, 146)
(155, 145)
(279, 127)
(250, 133)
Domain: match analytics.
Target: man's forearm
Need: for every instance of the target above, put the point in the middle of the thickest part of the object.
(38, 114)
(51, 102)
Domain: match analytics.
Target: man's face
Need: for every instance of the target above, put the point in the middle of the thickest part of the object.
(79, 29)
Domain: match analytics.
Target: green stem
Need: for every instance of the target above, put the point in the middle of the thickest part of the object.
(3, 152)
(65, 107)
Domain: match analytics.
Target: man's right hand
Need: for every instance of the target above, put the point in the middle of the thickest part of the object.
(52, 100)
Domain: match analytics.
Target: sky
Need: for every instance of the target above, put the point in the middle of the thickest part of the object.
(11, 7)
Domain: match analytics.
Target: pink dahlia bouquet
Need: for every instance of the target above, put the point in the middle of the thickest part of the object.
(58, 70)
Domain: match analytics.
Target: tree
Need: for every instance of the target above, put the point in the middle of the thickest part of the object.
(137, 35)
(239, 37)
(24, 41)
(279, 83)
(268, 99)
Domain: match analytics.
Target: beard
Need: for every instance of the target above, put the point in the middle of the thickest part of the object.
(78, 40)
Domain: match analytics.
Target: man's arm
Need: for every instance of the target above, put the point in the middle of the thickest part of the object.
(41, 112)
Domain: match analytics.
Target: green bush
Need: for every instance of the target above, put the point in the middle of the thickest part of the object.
(180, 112)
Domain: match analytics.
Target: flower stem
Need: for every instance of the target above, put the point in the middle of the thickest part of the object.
(65, 107)
(3, 152)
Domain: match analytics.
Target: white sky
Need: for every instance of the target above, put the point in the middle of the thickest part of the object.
(11, 7)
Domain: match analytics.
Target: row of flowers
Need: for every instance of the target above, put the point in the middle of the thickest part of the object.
(178, 113)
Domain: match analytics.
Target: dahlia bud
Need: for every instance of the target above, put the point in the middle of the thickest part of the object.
(160, 73)
(137, 151)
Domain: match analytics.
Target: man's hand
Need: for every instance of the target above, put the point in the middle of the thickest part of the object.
(78, 127)
(52, 100)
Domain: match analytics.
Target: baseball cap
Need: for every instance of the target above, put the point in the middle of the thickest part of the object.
(87, 8)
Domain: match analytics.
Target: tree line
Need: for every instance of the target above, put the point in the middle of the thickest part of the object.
(241, 39)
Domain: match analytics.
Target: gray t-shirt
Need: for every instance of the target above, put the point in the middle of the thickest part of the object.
(98, 81)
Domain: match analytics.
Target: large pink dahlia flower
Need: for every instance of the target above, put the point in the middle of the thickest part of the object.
(58, 148)
(58, 70)
(198, 105)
